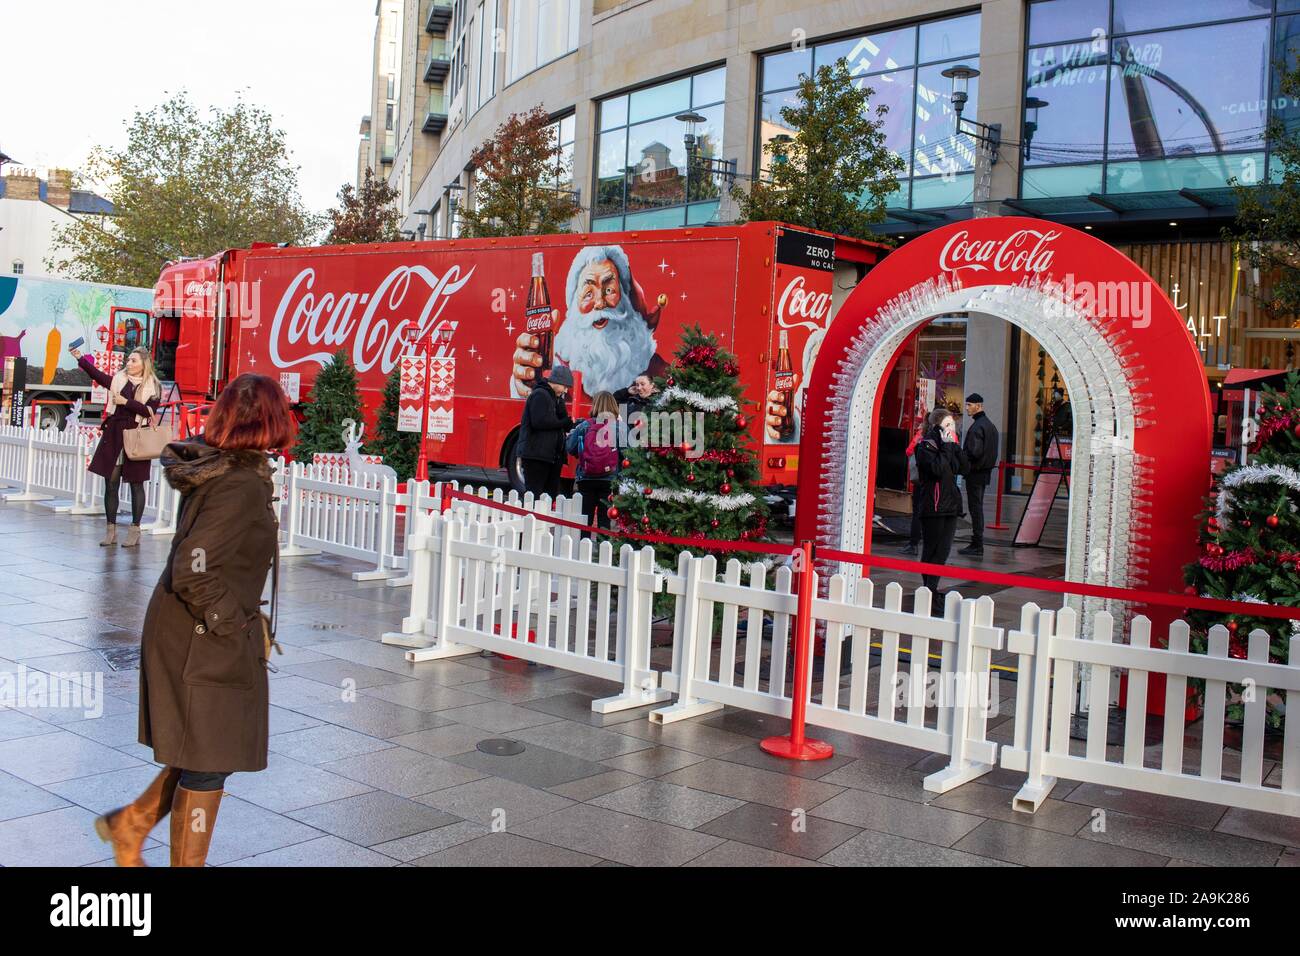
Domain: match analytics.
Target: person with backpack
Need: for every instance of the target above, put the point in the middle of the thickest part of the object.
(594, 442)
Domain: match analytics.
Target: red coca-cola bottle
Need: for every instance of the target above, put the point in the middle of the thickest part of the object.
(538, 314)
(784, 383)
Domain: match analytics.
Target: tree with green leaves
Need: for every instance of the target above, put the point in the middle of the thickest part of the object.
(707, 488)
(399, 449)
(364, 215)
(517, 179)
(185, 185)
(835, 173)
(1267, 227)
(334, 397)
(1250, 537)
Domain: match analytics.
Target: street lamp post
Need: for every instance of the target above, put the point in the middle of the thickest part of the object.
(987, 136)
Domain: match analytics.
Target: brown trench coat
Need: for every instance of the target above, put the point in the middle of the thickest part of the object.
(203, 683)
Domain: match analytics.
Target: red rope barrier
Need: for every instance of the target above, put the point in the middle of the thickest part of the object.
(1182, 601)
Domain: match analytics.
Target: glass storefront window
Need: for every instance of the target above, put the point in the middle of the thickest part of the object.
(919, 125)
(643, 177)
(540, 31)
(1138, 110)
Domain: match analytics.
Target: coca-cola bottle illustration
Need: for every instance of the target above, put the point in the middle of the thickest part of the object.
(538, 314)
(785, 382)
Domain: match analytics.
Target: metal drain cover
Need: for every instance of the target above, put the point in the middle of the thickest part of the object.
(501, 747)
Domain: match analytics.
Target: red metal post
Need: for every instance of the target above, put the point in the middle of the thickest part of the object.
(997, 524)
(797, 746)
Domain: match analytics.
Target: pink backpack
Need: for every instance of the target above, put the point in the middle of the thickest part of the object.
(599, 457)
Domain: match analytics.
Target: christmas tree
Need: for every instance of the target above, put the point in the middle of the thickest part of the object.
(333, 398)
(399, 449)
(689, 471)
(1250, 536)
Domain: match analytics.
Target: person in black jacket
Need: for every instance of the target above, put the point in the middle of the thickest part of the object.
(939, 460)
(981, 448)
(545, 422)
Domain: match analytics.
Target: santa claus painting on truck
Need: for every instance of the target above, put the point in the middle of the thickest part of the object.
(486, 309)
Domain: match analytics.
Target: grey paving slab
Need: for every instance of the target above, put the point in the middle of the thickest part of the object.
(323, 743)
(498, 717)
(431, 841)
(1290, 857)
(753, 785)
(1033, 847)
(18, 798)
(117, 731)
(63, 837)
(1266, 827)
(495, 802)
(506, 850)
(901, 782)
(517, 689)
(1191, 813)
(536, 766)
(1188, 843)
(668, 803)
(577, 707)
(579, 740)
(281, 720)
(793, 833)
(373, 818)
(288, 784)
(102, 792)
(443, 741)
(875, 811)
(870, 848)
(323, 851)
(401, 771)
(371, 716)
(424, 694)
(732, 854)
(339, 673)
(48, 758)
(688, 735)
(655, 761)
(588, 788)
(995, 803)
(244, 829)
(14, 724)
(618, 836)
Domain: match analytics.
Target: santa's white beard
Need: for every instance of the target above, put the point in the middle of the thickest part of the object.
(610, 358)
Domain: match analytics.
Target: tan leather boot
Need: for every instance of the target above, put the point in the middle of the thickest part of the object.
(194, 814)
(110, 538)
(127, 827)
(132, 537)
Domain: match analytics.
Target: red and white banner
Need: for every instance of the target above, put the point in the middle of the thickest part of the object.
(291, 382)
(110, 363)
(442, 390)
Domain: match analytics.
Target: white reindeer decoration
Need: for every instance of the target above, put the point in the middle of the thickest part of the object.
(72, 422)
(353, 433)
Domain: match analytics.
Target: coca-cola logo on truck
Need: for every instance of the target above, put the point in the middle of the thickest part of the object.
(1025, 250)
(310, 325)
(798, 303)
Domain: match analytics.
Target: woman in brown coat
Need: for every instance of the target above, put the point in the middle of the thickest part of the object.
(203, 685)
(133, 395)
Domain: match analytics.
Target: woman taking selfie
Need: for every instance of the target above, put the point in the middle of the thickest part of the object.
(133, 395)
(939, 460)
(203, 684)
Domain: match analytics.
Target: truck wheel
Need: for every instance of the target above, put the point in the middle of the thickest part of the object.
(511, 463)
(52, 416)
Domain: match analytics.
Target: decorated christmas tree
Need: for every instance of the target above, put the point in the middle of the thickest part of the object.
(334, 397)
(689, 471)
(1250, 535)
(399, 449)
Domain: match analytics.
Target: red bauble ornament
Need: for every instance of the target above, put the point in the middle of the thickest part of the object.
(649, 491)
(1213, 524)
(627, 463)
(645, 520)
(1245, 522)
(1297, 431)
(1272, 521)
(612, 512)
(669, 381)
(730, 473)
(726, 488)
(742, 421)
(690, 476)
(713, 522)
(1190, 590)
(1232, 627)
(684, 447)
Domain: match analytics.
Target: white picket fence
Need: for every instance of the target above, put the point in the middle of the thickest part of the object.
(522, 591)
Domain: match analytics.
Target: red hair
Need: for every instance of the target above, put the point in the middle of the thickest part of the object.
(251, 413)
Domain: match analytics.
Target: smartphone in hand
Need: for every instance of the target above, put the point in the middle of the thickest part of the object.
(76, 344)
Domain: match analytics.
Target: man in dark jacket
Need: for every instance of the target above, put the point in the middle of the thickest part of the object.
(545, 422)
(939, 460)
(981, 448)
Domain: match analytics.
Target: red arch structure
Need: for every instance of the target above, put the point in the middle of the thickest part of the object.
(1143, 425)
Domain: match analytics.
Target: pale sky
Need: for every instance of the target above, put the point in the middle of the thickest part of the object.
(73, 71)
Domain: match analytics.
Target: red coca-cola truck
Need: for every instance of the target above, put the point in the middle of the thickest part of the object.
(618, 303)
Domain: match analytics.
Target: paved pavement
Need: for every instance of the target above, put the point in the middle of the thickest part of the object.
(374, 761)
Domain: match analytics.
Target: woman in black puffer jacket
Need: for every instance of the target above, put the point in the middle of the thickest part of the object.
(939, 460)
